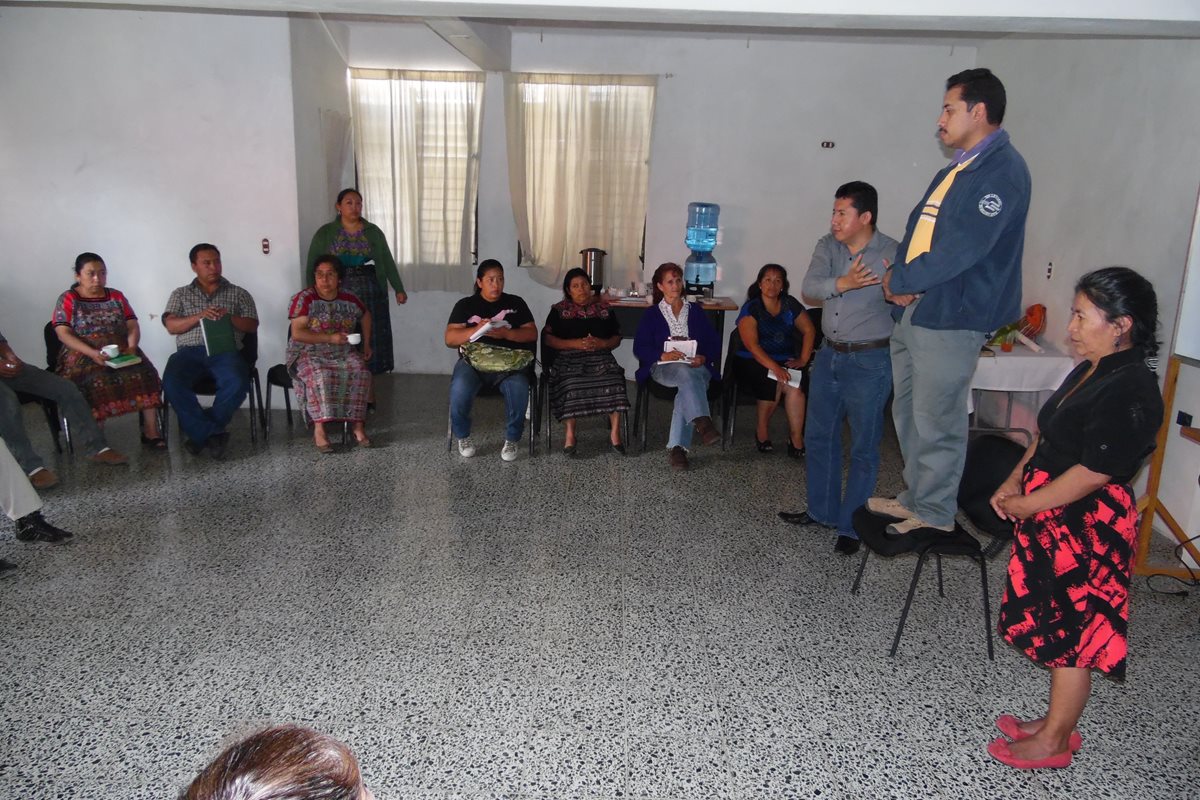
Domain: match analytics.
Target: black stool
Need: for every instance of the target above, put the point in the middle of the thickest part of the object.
(960, 543)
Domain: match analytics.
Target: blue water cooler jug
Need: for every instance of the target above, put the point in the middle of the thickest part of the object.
(700, 269)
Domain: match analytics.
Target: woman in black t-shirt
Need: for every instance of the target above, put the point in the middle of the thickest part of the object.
(500, 358)
(585, 379)
(1066, 600)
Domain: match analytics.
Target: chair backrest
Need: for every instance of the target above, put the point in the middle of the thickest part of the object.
(250, 348)
(53, 346)
(814, 314)
(548, 353)
(990, 460)
(735, 344)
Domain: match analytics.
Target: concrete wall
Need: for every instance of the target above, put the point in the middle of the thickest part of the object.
(1110, 130)
(319, 91)
(737, 122)
(136, 134)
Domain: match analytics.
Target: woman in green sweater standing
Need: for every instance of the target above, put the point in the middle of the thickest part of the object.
(364, 252)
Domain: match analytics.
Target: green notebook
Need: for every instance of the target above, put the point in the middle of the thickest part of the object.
(218, 335)
(122, 361)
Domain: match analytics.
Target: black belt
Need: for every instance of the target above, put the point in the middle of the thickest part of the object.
(856, 347)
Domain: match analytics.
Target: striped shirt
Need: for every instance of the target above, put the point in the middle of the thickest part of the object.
(191, 299)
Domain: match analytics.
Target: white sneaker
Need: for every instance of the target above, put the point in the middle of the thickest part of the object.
(466, 448)
(888, 507)
(509, 451)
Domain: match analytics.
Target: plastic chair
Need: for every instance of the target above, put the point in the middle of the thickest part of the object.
(960, 543)
(207, 386)
(278, 376)
(990, 460)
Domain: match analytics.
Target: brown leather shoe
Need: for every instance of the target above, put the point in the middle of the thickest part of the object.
(706, 429)
(677, 458)
(43, 479)
(109, 458)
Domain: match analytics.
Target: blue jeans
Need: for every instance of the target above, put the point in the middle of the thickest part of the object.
(933, 371)
(691, 400)
(852, 387)
(466, 382)
(188, 365)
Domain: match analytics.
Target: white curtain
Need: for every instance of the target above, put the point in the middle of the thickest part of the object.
(578, 165)
(416, 142)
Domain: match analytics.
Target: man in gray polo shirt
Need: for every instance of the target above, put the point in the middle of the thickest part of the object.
(851, 376)
(208, 297)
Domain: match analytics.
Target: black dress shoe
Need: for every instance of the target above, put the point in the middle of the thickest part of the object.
(192, 447)
(801, 518)
(34, 528)
(617, 448)
(846, 546)
(793, 451)
(6, 566)
(218, 444)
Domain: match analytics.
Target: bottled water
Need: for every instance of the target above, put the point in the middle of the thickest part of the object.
(702, 227)
(700, 269)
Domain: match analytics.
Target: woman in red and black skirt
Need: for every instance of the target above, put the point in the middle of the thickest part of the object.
(1066, 603)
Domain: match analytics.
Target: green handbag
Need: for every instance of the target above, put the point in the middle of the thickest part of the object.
(490, 358)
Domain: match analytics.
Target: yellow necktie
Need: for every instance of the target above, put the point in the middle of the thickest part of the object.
(922, 237)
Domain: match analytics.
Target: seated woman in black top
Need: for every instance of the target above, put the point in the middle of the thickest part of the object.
(771, 325)
(1066, 600)
(500, 358)
(585, 379)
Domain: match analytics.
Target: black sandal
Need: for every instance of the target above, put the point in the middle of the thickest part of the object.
(795, 452)
(154, 442)
(764, 446)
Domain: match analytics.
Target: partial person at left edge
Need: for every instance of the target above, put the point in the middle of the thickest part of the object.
(208, 297)
(17, 376)
(20, 502)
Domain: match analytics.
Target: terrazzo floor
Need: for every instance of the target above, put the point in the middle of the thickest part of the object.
(597, 628)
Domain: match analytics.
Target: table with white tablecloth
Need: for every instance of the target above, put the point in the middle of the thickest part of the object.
(1016, 375)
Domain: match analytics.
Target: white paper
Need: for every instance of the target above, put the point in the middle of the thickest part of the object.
(490, 326)
(796, 375)
(685, 346)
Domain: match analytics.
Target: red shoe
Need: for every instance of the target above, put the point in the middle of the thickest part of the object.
(998, 750)
(1010, 726)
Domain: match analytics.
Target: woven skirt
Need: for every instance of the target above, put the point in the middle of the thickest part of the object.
(584, 383)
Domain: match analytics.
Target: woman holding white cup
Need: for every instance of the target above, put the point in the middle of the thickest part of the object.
(329, 374)
(96, 324)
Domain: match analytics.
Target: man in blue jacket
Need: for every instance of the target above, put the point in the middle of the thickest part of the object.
(957, 276)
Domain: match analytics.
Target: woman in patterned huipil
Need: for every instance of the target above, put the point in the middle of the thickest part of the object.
(585, 379)
(369, 268)
(1066, 603)
(330, 377)
(90, 316)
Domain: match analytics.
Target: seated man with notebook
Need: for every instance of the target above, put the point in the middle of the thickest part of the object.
(209, 319)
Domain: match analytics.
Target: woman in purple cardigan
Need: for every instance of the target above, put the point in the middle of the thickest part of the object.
(672, 318)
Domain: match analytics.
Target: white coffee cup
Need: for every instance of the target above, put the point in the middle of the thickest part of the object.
(111, 350)
(353, 338)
